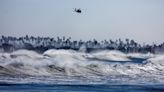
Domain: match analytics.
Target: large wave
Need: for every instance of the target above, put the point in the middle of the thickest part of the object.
(69, 65)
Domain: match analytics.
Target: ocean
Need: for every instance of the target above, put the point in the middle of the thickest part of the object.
(75, 71)
(79, 88)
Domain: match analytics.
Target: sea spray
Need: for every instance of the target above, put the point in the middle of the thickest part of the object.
(62, 66)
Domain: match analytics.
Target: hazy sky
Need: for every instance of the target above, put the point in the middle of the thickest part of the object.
(141, 20)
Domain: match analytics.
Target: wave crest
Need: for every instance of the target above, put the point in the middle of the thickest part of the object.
(73, 63)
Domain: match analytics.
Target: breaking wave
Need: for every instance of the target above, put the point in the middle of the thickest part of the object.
(68, 66)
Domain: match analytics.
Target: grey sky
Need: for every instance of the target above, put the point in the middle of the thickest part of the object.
(141, 20)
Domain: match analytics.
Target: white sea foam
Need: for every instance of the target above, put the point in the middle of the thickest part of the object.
(110, 55)
(61, 64)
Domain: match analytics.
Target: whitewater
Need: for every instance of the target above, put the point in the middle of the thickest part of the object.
(77, 67)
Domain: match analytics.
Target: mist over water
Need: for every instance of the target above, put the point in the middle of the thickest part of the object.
(77, 67)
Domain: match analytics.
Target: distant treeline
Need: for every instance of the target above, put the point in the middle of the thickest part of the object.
(41, 44)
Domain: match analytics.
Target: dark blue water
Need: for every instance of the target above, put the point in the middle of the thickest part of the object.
(79, 88)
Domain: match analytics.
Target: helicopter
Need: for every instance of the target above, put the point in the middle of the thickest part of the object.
(78, 10)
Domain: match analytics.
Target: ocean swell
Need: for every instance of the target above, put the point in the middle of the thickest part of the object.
(70, 65)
